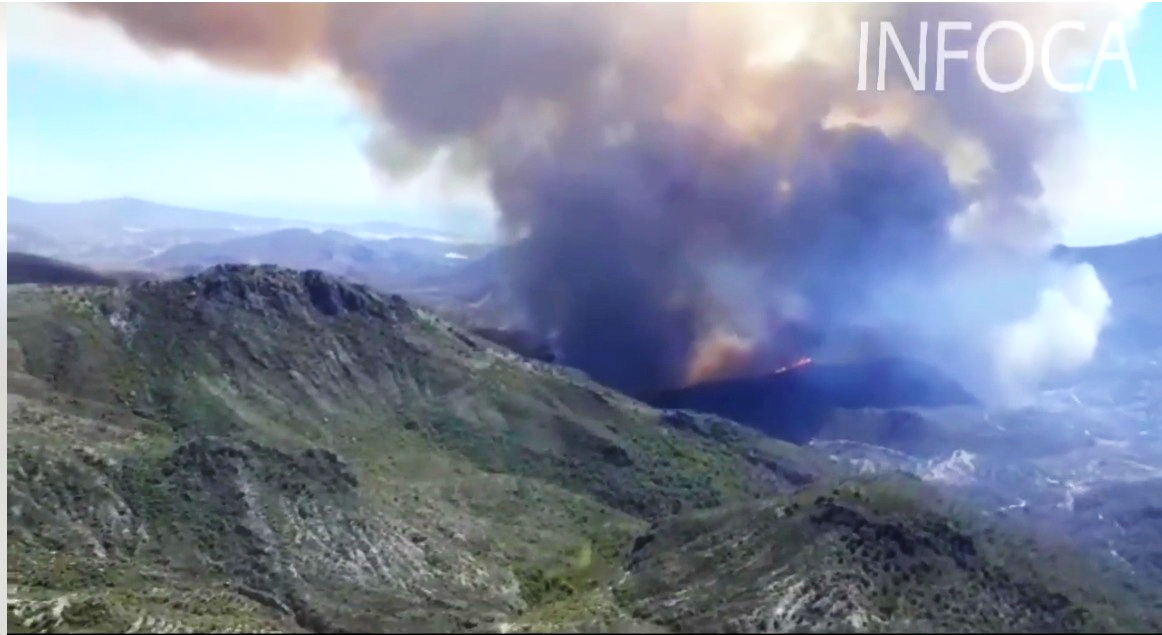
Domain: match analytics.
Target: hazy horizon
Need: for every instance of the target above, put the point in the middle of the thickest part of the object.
(463, 222)
(481, 229)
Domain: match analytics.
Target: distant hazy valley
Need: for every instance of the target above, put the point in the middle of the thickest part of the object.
(136, 238)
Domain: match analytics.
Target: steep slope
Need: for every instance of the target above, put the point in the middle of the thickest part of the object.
(345, 459)
(1135, 260)
(1132, 273)
(28, 268)
(879, 555)
(32, 269)
(26, 239)
(1134, 508)
(254, 448)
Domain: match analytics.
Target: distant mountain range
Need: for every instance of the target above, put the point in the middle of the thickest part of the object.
(126, 214)
(1134, 260)
(392, 264)
(1132, 274)
(125, 232)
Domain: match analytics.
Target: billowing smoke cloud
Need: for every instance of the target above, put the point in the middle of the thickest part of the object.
(700, 191)
(1060, 335)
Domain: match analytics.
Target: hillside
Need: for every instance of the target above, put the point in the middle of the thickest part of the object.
(259, 448)
(1132, 273)
(331, 447)
(1132, 260)
(866, 555)
(28, 268)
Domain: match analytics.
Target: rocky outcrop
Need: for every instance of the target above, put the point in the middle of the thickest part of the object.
(259, 449)
(864, 555)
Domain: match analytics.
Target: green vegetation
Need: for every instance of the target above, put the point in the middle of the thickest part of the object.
(255, 448)
(879, 553)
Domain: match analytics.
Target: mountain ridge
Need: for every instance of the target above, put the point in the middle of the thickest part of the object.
(289, 450)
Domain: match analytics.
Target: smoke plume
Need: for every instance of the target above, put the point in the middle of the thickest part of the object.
(701, 191)
(1060, 335)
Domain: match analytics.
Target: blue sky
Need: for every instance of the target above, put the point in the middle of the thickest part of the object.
(1126, 128)
(76, 135)
(92, 116)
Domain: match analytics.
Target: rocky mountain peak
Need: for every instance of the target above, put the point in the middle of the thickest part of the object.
(269, 287)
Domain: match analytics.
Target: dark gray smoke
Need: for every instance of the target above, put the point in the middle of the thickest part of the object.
(691, 191)
(620, 238)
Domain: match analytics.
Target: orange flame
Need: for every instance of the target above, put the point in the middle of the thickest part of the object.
(718, 356)
(799, 363)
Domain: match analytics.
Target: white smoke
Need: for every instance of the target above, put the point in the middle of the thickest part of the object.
(1059, 336)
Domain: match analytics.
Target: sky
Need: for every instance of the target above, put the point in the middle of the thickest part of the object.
(1117, 194)
(91, 115)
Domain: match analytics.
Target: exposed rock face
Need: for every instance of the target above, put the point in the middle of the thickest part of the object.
(254, 448)
(865, 555)
(342, 459)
